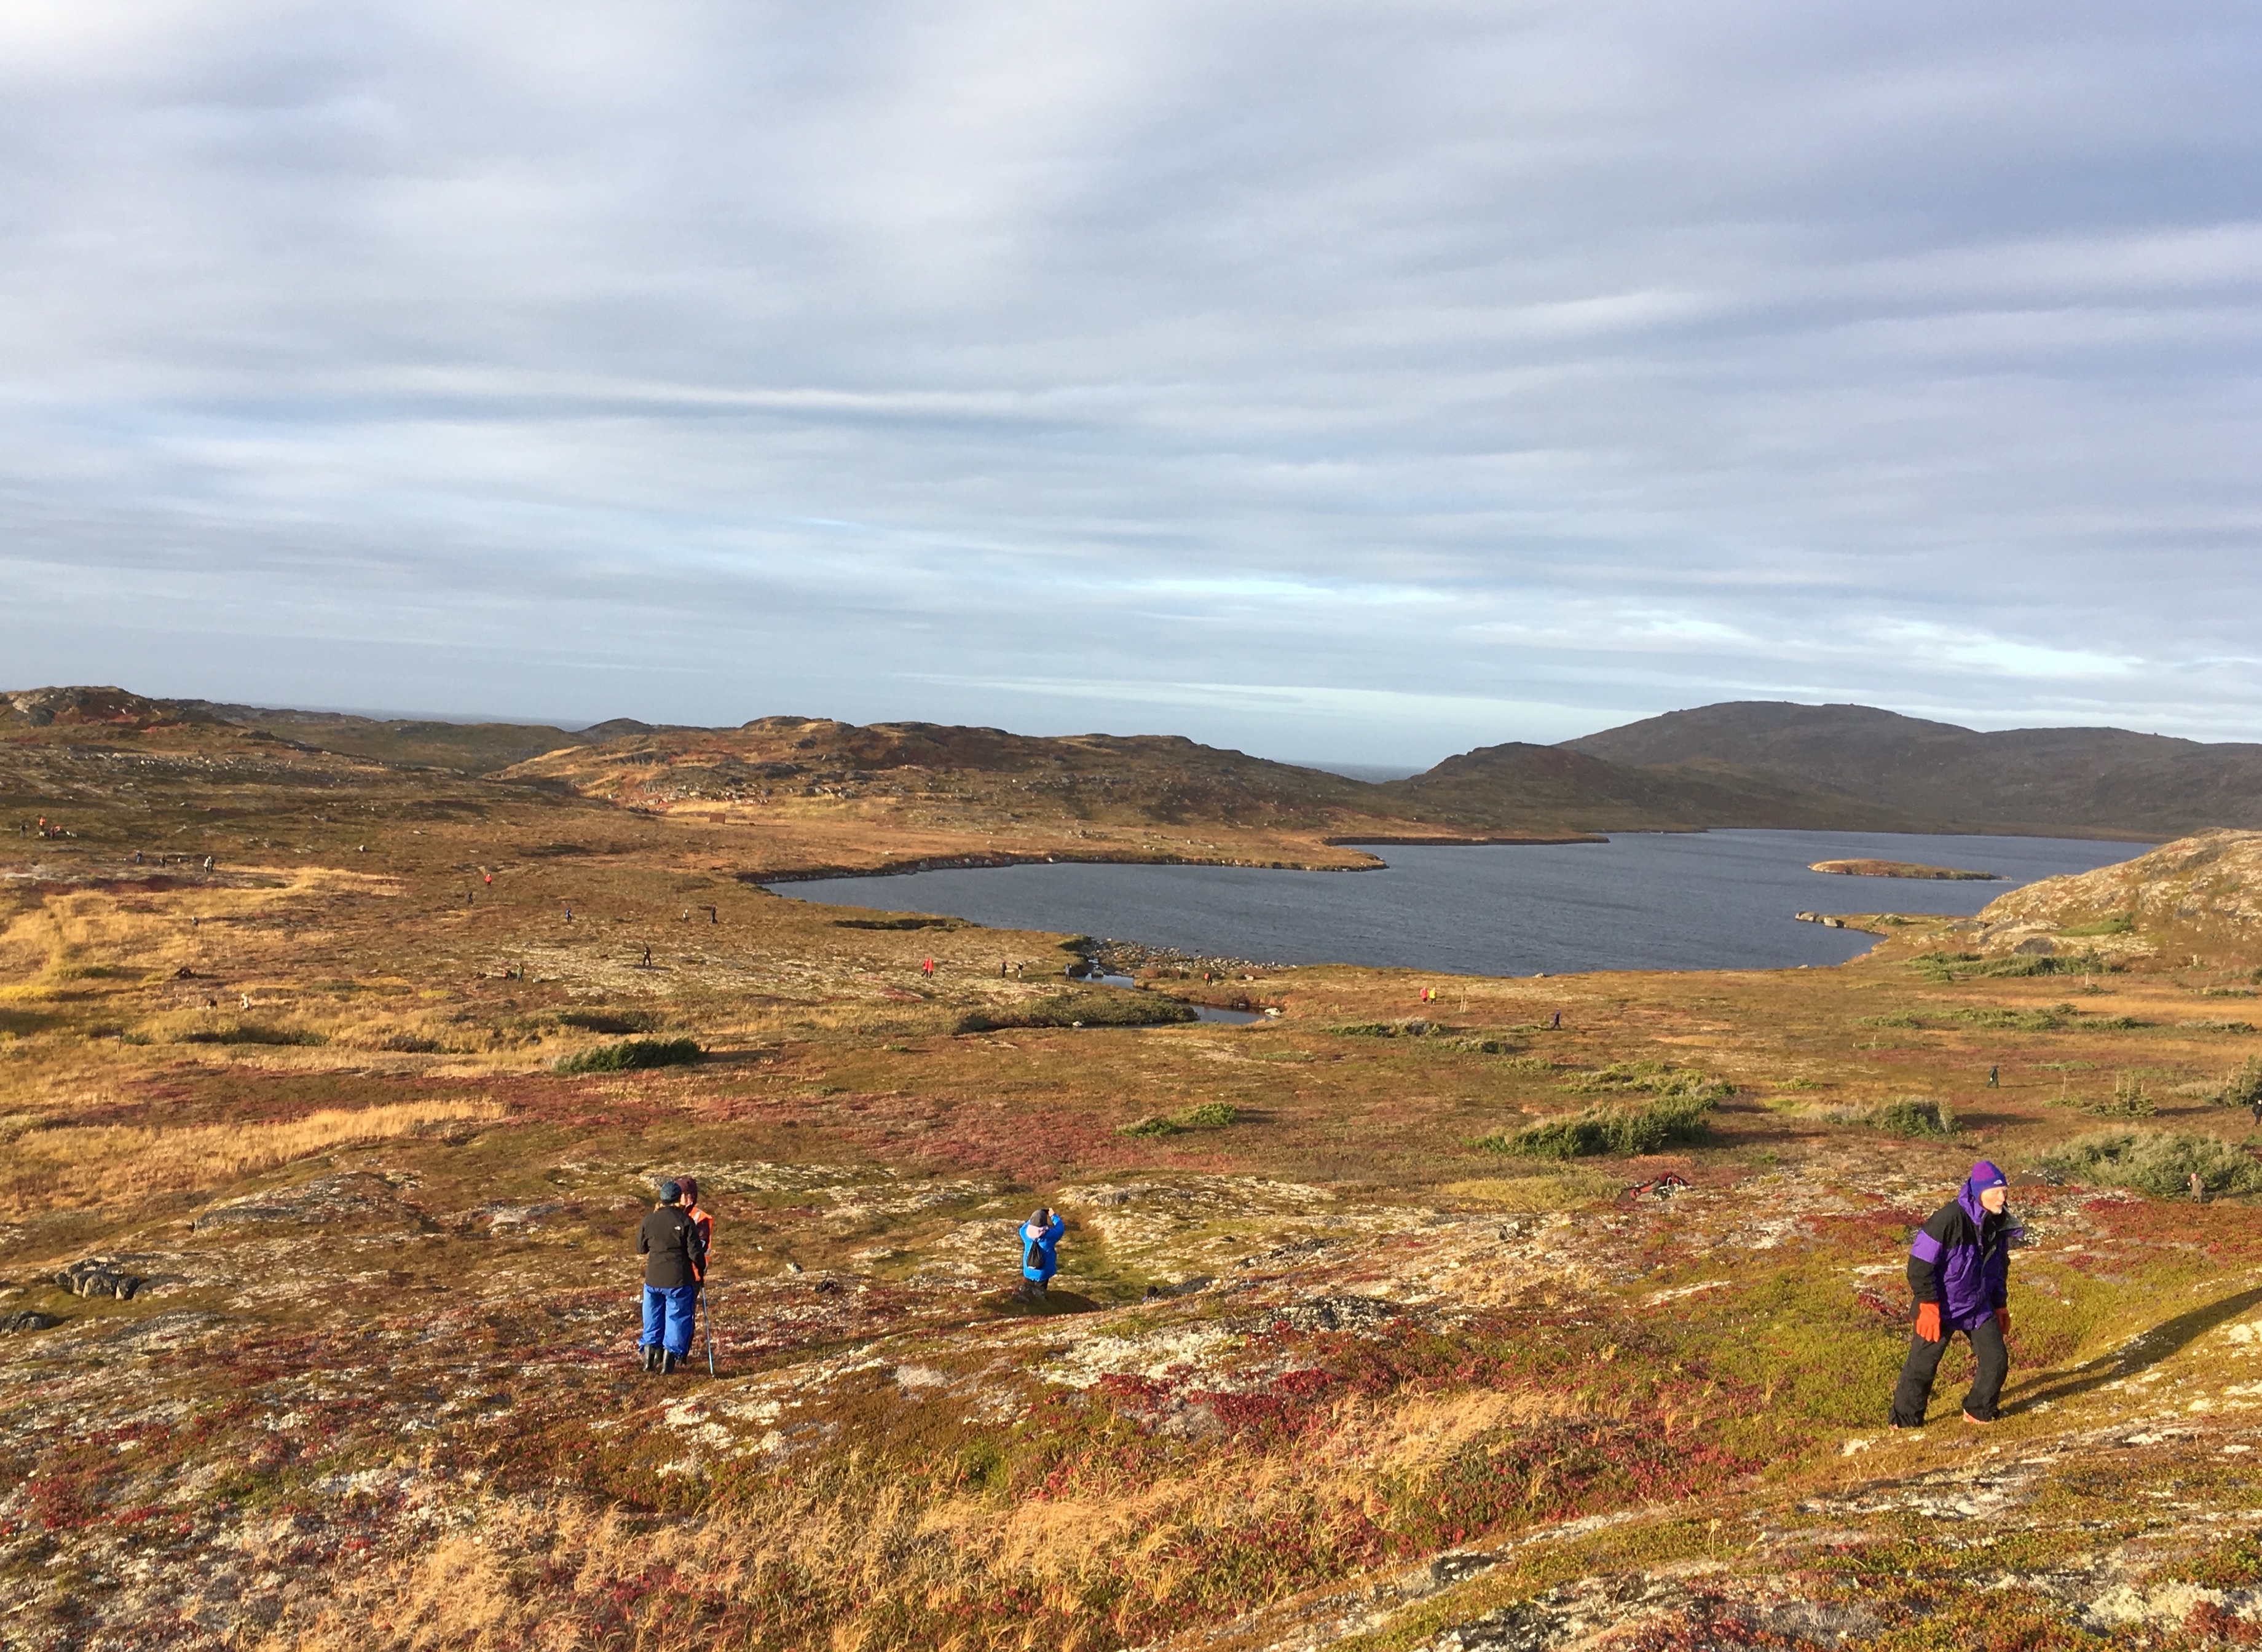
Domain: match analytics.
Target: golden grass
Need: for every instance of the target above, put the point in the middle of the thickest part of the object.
(108, 1163)
(1557, 1190)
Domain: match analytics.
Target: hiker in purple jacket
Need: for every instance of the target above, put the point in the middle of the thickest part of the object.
(1959, 1272)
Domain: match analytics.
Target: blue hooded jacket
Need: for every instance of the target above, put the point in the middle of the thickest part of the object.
(1961, 1259)
(1040, 1248)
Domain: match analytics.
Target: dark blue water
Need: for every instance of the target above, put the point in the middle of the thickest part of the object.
(1722, 900)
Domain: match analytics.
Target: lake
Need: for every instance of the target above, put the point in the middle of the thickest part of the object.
(1721, 900)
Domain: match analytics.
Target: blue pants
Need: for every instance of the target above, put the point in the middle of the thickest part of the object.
(677, 1304)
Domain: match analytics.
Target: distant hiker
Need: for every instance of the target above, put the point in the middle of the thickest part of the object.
(194, 921)
(670, 1239)
(1001, 969)
(1558, 1023)
(569, 914)
(1041, 1238)
(467, 897)
(137, 857)
(1959, 1272)
(489, 876)
(927, 968)
(2198, 1188)
(208, 863)
(1993, 1075)
(648, 959)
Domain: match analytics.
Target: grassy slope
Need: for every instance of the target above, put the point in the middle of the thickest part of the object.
(380, 1388)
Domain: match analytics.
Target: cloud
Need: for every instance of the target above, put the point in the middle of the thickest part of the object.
(1361, 381)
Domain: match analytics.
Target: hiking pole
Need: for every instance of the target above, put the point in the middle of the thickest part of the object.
(707, 1319)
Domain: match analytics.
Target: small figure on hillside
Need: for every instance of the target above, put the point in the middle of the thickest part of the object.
(671, 1242)
(1041, 1238)
(208, 863)
(2198, 1188)
(467, 897)
(569, 914)
(489, 876)
(1001, 969)
(1557, 1023)
(927, 968)
(1994, 1078)
(1959, 1272)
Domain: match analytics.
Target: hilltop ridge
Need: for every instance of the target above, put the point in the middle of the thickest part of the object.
(2109, 781)
(1743, 763)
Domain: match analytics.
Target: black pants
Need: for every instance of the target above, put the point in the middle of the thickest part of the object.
(1914, 1391)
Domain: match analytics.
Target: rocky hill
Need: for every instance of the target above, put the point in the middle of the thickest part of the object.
(2198, 897)
(1499, 784)
(2106, 781)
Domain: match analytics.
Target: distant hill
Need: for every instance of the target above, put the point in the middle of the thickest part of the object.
(1498, 786)
(1752, 764)
(467, 747)
(1096, 778)
(2101, 781)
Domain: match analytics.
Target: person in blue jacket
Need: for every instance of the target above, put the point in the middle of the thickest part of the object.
(1041, 1238)
(1959, 1270)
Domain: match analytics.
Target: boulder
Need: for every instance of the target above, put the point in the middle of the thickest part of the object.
(99, 1276)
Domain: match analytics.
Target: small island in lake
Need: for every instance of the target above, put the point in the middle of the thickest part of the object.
(1900, 869)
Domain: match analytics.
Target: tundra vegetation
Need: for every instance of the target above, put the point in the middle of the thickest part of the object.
(1380, 1324)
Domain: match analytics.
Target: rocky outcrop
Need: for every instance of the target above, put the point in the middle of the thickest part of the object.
(99, 1276)
(2198, 895)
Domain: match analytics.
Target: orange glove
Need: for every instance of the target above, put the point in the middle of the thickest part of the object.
(1927, 1322)
(2003, 1322)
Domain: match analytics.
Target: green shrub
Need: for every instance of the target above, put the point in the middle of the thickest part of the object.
(1624, 1130)
(1948, 966)
(612, 1022)
(2159, 1162)
(1416, 1027)
(2119, 923)
(1653, 1078)
(2130, 1099)
(634, 1054)
(1912, 1116)
(1208, 1115)
(2244, 1088)
(1107, 1008)
(2019, 1020)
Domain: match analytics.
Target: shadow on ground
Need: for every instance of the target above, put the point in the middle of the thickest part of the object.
(2145, 1349)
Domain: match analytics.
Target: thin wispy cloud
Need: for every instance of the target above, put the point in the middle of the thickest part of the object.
(1326, 380)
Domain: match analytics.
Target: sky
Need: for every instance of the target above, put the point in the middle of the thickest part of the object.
(1352, 382)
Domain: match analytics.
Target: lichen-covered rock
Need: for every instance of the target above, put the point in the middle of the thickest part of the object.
(99, 1276)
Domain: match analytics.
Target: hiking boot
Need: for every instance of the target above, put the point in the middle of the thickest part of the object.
(648, 1356)
(668, 1363)
(1979, 1422)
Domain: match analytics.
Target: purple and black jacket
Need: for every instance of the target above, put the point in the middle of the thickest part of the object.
(1961, 1259)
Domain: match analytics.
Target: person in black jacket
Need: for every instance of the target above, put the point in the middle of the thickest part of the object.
(674, 1250)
